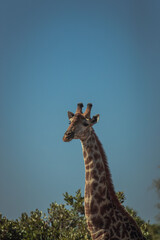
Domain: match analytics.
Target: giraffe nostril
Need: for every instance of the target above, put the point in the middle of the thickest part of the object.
(69, 135)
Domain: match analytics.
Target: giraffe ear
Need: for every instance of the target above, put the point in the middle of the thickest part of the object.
(70, 115)
(94, 119)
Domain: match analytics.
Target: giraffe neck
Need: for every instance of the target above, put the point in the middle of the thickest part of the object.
(99, 191)
(104, 213)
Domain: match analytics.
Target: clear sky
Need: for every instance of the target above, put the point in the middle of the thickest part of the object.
(56, 53)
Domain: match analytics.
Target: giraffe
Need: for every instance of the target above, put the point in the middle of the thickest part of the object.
(106, 218)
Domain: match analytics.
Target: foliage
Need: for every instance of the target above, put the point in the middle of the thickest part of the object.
(68, 219)
(154, 230)
(156, 185)
(63, 221)
(121, 197)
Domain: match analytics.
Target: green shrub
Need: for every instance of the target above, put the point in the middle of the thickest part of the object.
(63, 221)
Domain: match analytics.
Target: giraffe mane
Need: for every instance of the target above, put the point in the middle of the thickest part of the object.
(111, 186)
(108, 173)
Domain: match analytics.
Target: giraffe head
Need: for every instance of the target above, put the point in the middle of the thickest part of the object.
(80, 123)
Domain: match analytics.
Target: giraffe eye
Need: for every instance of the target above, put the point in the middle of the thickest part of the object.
(69, 122)
(85, 124)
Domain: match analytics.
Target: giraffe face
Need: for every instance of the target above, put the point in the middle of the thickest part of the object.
(80, 126)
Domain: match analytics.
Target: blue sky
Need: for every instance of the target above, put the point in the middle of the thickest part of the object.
(54, 54)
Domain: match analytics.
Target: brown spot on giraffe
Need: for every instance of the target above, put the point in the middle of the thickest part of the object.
(88, 160)
(107, 222)
(94, 174)
(96, 156)
(89, 150)
(93, 208)
(100, 168)
(97, 221)
(95, 147)
(84, 154)
(94, 185)
(103, 209)
(89, 166)
(102, 191)
(99, 198)
(90, 188)
(106, 217)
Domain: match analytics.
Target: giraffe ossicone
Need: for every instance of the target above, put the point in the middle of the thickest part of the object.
(106, 218)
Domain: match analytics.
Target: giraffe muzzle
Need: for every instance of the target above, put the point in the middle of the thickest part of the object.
(68, 136)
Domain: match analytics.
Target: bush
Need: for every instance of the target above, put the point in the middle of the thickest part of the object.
(63, 221)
